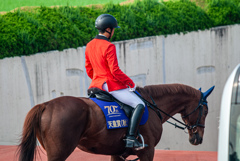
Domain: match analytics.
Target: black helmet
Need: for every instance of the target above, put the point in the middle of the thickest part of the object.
(106, 20)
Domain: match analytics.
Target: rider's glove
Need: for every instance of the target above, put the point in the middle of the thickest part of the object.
(132, 89)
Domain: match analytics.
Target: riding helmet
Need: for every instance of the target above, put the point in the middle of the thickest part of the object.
(106, 21)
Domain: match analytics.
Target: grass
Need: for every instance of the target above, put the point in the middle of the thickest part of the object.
(8, 5)
(29, 5)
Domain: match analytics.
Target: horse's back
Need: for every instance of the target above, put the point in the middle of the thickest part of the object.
(65, 107)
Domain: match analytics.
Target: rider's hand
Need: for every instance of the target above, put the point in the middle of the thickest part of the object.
(132, 89)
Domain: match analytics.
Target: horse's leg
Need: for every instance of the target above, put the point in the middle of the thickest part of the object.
(143, 155)
(116, 158)
(146, 154)
(58, 149)
(61, 129)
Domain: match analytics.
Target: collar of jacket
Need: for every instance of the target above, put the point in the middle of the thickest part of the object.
(101, 37)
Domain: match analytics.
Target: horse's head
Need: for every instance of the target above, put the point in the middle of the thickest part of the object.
(195, 118)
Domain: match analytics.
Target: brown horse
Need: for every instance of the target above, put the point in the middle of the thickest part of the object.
(65, 123)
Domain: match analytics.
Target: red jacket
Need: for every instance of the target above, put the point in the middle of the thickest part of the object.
(102, 65)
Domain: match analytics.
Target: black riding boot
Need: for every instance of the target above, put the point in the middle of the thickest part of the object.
(134, 121)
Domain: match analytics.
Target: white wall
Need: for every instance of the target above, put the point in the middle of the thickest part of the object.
(199, 59)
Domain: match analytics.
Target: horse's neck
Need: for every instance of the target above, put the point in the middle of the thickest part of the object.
(173, 103)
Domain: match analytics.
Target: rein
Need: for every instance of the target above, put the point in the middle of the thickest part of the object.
(158, 110)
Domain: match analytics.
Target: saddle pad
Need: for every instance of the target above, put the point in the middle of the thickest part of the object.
(115, 116)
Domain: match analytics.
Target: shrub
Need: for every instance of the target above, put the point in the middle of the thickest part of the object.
(45, 29)
(224, 12)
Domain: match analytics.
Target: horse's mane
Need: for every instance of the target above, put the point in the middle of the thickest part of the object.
(163, 89)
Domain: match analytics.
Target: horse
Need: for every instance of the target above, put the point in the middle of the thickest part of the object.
(67, 122)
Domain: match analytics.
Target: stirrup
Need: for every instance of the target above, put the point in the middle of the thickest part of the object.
(130, 143)
(143, 145)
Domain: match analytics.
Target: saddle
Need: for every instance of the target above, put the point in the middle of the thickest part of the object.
(105, 96)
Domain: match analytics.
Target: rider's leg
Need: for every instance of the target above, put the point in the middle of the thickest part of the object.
(131, 99)
(125, 96)
(134, 121)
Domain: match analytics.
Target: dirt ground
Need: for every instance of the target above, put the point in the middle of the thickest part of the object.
(9, 153)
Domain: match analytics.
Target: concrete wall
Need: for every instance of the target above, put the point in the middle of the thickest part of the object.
(199, 59)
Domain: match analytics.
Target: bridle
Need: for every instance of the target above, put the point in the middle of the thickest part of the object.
(201, 103)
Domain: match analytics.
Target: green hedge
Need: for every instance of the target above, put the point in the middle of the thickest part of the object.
(224, 12)
(45, 29)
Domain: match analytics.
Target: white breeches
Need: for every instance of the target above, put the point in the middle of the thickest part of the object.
(125, 96)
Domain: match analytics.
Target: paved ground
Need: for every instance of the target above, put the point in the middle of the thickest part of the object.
(7, 153)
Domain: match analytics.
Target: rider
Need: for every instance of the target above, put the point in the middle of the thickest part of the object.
(102, 67)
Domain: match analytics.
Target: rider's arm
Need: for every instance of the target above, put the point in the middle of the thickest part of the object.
(88, 66)
(114, 68)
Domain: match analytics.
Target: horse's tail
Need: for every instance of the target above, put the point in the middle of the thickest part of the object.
(31, 125)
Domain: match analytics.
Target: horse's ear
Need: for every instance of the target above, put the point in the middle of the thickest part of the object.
(200, 89)
(208, 92)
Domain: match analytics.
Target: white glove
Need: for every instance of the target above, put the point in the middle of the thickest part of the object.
(132, 89)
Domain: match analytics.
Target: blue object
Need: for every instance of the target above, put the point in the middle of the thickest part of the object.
(115, 116)
(208, 92)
